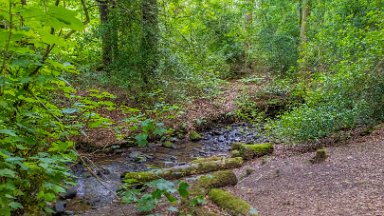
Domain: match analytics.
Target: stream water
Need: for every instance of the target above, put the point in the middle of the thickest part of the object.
(93, 193)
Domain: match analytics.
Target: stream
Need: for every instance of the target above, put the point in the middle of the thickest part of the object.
(94, 193)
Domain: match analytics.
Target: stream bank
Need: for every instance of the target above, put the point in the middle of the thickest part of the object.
(100, 192)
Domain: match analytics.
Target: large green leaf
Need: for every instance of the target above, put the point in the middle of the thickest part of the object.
(62, 17)
(8, 132)
(7, 173)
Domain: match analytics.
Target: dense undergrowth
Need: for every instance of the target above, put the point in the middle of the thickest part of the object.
(342, 63)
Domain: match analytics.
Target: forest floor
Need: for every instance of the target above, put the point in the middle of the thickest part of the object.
(349, 182)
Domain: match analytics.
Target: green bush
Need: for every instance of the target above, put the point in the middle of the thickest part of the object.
(345, 56)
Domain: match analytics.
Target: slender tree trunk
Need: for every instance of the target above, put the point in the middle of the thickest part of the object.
(115, 36)
(150, 39)
(106, 35)
(305, 12)
(248, 27)
(304, 17)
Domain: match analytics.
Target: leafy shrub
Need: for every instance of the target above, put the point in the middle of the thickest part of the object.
(349, 92)
(34, 128)
(149, 195)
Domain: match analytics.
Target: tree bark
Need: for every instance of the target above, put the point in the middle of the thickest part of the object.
(248, 27)
(150, 39)
(106, 34)
(305, 12)
(304, 17)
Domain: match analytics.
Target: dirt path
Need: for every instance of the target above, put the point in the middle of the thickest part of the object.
(350, 182)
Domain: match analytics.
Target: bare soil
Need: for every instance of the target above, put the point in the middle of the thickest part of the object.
(349, 182)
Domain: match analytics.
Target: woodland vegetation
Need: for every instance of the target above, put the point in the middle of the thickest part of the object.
(64, 64)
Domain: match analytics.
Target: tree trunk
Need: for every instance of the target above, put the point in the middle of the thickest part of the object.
(106, 34)
(304, 17)
(114, 35)
(305, 12)
(150, 39)
(248, 27)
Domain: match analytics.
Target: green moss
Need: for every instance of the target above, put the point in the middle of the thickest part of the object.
(235, 153)
(260, 149)
(250, 151)
(231, 203)
(214, 180)
(186, 170)
(203, 160)
(218, 179)
(195, 136)
(141, 176)
(321, 155)
(229, 163)
(237, 146)
(168, 144)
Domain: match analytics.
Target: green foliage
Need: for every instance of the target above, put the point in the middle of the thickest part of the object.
(34, 126)
(276, 35)
(144, 126)
(195, 45)
(344, 58)
(271, 99)
(150, 194)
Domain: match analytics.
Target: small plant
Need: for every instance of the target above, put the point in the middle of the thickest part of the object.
(248, 109)
(147, 196)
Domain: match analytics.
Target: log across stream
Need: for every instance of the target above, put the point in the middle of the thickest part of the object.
(91, 193)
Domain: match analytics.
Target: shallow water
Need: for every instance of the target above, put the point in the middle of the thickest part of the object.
(216, 141)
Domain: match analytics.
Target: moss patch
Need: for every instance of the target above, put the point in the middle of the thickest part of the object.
(207, 159)
(320, 156)
(214, 180)
(235, 153)
(231, 203)
(141, 176)
(250, 151)
(168, 144)
(195, 136)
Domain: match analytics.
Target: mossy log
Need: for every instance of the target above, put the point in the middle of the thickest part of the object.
(216, 179)
(231, 203)
(185, 170)
(250, 151)
(207, 159)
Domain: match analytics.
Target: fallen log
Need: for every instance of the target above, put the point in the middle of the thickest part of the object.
(195, 168)
(250, 151)
(216, 179)
(231, 203)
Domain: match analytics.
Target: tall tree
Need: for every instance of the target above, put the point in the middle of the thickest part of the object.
(305, 12)
(150, 39)
(106, 32)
